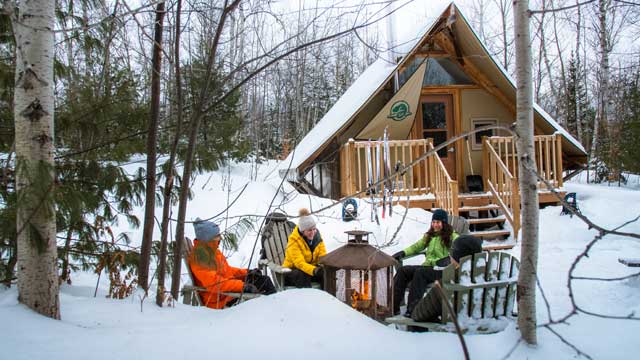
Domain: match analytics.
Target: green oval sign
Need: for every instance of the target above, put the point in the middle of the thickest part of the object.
(399, 110)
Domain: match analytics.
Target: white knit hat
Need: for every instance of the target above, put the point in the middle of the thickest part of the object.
(306, 221)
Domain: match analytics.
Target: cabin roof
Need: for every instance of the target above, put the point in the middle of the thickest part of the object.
(373, 80)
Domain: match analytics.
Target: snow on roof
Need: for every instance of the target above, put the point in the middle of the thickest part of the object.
(558, 127)
(545, 115)
(349, 103)
(367, 84)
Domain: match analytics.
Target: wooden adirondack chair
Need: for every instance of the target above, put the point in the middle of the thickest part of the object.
(275, 236)
(191, 293)
(274, 239)
(484, 288)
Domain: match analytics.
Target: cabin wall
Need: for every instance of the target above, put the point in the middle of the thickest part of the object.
(477, 104)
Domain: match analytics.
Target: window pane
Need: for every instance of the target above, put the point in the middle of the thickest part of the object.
(438, 138)
(433, 116)
(442, 71)
(478, 136)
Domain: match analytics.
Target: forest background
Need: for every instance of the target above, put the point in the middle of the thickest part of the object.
(200, 84)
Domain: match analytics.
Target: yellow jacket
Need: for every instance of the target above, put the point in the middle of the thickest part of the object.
(299, 255)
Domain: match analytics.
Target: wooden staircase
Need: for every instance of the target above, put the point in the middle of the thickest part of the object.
(484, 217)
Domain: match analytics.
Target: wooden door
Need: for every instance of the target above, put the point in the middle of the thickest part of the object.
(436, 113)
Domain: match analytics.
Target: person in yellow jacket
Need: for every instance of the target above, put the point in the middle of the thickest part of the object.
(304, 249)
(212, 271)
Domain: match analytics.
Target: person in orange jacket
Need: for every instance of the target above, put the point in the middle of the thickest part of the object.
(212, 271)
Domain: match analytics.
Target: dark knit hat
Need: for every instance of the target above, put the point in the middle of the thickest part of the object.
(205, 230)
(441, 215)
(465, 245)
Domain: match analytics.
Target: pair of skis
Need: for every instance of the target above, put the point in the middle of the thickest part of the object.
(388, 183)
(383, 161)
(370, 184)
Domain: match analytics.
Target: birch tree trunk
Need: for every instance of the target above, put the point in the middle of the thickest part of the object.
(527, 179)
(503, 6)
(35, 179)
(603, 112)
(578, 107)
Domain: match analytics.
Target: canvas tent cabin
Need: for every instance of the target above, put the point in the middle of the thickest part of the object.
(446, 84)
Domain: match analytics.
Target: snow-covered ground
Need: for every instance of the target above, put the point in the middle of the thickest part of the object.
(311, 324)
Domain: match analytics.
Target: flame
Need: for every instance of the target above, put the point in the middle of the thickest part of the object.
(359, 296)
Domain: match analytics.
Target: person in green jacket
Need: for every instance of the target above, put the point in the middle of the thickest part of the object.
(435, 244)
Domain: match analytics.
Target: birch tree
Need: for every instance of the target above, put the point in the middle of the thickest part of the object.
(32, 23)
(527, 179)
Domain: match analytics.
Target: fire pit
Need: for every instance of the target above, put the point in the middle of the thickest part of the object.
(360, 275)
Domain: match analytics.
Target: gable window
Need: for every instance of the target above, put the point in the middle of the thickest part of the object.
(439, 72)
(477, 137)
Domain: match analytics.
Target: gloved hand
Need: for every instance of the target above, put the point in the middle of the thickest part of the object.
(254, 272)
(399, 255)
(250, 289)
(317, 270)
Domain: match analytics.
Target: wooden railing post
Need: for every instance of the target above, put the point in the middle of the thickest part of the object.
(485, 162)
(559, 167)
(351, 180)
(515, 205)
(454, 197)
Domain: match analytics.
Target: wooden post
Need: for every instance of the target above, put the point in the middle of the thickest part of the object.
(515, 189)
(485, 163)
(559, 167)
(454, 197)
(351, 145)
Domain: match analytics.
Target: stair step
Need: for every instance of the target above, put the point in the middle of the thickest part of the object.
(493, 220)
(497, 247)
(479, 208)
(491, 234)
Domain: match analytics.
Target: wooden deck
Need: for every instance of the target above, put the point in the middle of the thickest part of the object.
(467, 200)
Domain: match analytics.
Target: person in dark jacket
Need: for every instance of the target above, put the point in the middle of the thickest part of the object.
(429, 308)
(304, 249)
(435, 244)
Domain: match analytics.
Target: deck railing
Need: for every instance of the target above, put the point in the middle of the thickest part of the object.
(548, 150)
(354, 165)
(502, 185)
(444, 189)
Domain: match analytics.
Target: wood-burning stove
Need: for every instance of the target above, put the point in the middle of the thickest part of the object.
(360, 275)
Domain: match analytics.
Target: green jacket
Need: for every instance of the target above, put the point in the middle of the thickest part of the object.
(434, 252)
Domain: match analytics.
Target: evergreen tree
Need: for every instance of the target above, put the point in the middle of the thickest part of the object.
(630, 111)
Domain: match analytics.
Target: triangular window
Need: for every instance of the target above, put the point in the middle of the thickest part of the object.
(440, 71)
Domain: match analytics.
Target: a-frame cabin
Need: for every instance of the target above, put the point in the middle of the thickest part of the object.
(445, 85)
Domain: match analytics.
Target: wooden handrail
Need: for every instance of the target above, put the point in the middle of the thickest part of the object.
(354, 167)
(548, 150)
(443, 188)
(503, 186)
(426, 176)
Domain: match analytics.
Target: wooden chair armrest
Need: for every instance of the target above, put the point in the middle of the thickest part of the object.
(630, 261)
(403, 320)
(192, 288)
(245, 296)
(484, 285)
(278, 268)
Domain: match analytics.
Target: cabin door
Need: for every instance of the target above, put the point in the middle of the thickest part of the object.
(437, 123)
